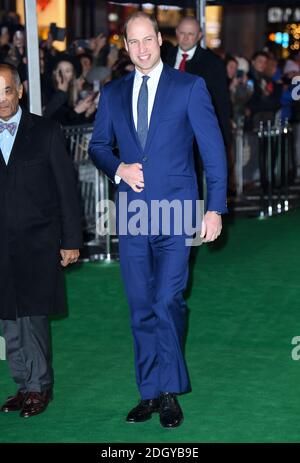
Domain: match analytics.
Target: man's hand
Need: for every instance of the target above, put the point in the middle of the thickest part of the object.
(69, 256)
(132, 174)
(211, 226)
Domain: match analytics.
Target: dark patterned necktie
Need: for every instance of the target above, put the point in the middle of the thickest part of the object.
(142, 112)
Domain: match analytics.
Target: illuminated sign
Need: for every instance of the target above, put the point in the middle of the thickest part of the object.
(283, 15)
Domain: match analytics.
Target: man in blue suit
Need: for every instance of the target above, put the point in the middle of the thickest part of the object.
(154, 113)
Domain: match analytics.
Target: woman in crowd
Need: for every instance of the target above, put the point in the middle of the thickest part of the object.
(64, 105)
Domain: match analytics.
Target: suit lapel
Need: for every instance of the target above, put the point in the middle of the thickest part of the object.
(172, 57)
(196, 60)
(127, 106)
(2, 162)
(160, 103)
(22, 137)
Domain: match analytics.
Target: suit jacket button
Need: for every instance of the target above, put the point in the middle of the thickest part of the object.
(145, 158)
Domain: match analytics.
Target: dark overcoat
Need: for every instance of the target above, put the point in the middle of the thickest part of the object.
(212, 69)
(39, 215)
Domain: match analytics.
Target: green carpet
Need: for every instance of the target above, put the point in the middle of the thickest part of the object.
(244, 311)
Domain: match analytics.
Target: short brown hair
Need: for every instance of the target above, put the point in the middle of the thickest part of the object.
(137, 15)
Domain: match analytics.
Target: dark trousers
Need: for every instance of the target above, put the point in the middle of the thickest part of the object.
(155, 273)
(28, 351)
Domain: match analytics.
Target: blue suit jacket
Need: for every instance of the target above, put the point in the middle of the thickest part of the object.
(182, 110)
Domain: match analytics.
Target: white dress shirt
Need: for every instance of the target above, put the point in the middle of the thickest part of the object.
(180, 52)
(6, 139)
(152, 84)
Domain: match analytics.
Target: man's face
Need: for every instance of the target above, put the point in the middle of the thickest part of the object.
(260, 63)
(143, 44)
(188, 34)
(9, 95)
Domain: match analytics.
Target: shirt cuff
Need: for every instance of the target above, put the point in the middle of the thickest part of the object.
(117, 179)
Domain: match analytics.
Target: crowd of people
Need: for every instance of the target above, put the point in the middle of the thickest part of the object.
(244, 92)
(260, 88)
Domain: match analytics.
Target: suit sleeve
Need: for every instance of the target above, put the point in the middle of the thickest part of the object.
(68, 195)
(102, 141)
(211, 145)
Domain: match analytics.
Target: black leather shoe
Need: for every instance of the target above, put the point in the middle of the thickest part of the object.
(143, 411)
(35, 403)
(171, 414)
(14, 403)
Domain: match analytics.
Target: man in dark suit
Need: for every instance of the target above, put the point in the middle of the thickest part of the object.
(39, 225)
(190, 57)
(154, 114)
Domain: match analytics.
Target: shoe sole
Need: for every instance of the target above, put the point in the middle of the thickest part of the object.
(33, 414)
(142, 421)
(38, 413)
(173, 426)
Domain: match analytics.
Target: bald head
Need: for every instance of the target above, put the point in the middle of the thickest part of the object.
(9, 68)
(11, 91)
(188, 33)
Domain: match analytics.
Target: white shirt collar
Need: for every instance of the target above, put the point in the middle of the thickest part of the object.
(156, 72)
(190, 52)
(16, 118)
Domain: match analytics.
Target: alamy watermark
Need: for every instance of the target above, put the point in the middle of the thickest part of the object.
(2, 348)
(295, 353)
(158, 217)
(296, 89)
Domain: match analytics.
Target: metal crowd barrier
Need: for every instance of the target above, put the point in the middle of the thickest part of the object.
(271, 147)
(93, 187)
(274, 151)
(275, 157)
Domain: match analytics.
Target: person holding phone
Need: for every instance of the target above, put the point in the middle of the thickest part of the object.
(64, 105)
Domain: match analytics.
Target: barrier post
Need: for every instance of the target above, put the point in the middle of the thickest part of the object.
(286, 165)
(269, 168)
